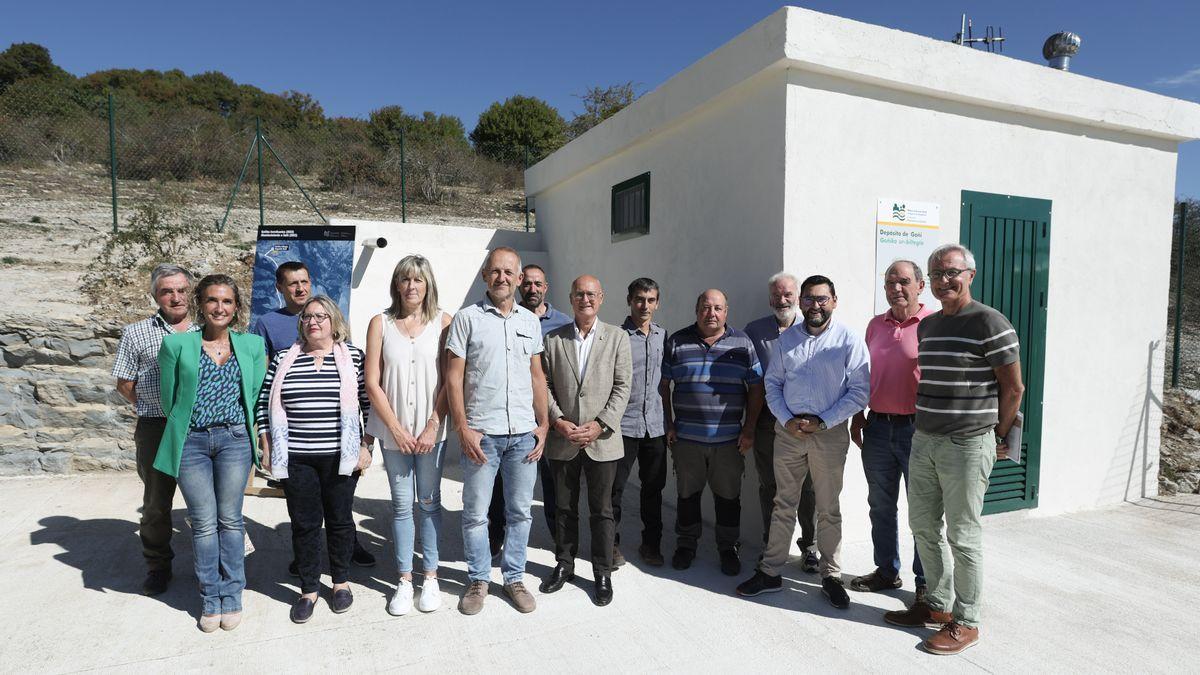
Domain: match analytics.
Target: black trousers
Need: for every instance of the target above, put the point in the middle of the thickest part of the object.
(650, 454)
(600, 477)
(158, 491)
(496, 507)
(316, 492)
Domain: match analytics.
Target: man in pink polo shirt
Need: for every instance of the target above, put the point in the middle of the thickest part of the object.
(884, 432)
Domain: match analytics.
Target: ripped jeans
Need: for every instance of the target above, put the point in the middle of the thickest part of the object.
(416, 478)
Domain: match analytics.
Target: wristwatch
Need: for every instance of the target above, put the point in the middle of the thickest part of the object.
(820, 423)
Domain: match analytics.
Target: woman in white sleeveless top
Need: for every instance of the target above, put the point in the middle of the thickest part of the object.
(404, 367)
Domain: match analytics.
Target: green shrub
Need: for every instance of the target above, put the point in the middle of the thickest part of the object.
(507, 130)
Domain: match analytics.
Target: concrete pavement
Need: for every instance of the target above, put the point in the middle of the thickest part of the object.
(1107, 590)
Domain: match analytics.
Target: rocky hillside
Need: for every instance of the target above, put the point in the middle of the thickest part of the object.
(59, 411)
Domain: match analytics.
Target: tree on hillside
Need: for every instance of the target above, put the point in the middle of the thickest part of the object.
(599, 104)
(429, 129)
(506, 129)
(25, 59)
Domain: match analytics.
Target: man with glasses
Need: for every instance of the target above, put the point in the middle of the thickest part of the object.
(588, 368)
(818, 378)
(967, 401)
(885, 434)
(783, 291)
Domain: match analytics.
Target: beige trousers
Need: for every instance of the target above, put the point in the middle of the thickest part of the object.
(822, 454)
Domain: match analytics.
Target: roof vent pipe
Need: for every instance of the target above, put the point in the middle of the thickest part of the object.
(1059, 48)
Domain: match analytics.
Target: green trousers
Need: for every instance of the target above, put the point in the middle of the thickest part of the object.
(947, 477)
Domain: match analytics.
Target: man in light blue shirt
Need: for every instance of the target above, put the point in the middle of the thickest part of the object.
(818, 378)
(498, 401)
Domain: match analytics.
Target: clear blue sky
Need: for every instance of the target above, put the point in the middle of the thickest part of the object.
(458, 57)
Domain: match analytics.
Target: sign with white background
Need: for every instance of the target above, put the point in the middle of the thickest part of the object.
(904, 230)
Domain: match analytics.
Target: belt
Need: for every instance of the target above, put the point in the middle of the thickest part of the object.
(218, 425)
(905, 419)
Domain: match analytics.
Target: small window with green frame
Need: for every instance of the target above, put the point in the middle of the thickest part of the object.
(631, 208)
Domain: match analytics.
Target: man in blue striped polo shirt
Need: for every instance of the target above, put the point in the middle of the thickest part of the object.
(709, 419)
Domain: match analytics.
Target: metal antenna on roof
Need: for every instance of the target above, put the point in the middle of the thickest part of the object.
(992, 40)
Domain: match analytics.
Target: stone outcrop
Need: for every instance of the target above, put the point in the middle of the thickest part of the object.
(59, 410)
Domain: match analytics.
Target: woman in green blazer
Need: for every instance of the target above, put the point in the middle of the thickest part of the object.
(210, 382)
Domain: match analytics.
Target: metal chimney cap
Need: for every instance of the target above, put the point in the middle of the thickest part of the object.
(1060, 44)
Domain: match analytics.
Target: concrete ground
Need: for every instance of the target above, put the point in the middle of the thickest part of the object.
(1107, 590)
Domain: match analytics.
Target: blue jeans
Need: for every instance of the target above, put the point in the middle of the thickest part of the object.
(506, 455)
(212, 476)
(416, 478)
(886, 447)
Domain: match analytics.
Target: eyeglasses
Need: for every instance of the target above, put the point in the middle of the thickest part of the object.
(314, 318)
(580, 295)
(948, 274)
(810, 300)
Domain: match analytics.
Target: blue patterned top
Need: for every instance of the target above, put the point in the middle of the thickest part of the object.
(218, 393)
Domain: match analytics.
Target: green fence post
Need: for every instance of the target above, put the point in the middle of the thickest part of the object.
(403, 185)
(525, 189)
(1179, 293)
(258, 137)
(112, 158)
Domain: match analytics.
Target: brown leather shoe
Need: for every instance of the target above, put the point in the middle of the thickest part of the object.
(521, 598)
(919, 615)
(472, 601)
(951, 639)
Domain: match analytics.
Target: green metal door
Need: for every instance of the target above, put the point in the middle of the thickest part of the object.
(1010, 237)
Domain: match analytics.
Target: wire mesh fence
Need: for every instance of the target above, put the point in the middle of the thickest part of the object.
(1183, 315)
(123, 150)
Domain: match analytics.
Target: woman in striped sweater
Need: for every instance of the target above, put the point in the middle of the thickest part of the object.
(310, 419)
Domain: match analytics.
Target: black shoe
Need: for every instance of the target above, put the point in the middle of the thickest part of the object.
(302, 609)
(293, 569)
(651, 555)
(361, 556)
(810, 563)
(603, 594)
(557, 579)
(760, 583)
(831, 587)
(731, 565)
(683, 558)
(342, 599)
(156, 582)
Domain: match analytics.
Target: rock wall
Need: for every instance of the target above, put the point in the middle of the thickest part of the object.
(59, 409)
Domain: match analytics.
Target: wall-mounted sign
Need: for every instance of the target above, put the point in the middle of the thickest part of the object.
(904, 230)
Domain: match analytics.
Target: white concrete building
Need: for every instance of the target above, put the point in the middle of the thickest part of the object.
(775, 151)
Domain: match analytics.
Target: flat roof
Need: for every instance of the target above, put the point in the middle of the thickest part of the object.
(806, 40)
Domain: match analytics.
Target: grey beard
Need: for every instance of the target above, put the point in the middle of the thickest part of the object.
(785, 316)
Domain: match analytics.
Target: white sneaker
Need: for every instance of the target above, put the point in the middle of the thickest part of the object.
(401, 602)
(431, 595)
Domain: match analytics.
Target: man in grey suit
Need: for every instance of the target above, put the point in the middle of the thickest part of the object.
(588, 371)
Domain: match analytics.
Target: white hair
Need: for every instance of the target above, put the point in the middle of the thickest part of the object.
(901, 261)
(167, 270)
(944, 249)
(780, 276)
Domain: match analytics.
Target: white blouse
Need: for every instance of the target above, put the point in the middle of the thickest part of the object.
(409, 377)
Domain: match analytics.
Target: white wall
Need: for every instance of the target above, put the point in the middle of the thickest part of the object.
(851, 143)
(716, 211)
(455, 253)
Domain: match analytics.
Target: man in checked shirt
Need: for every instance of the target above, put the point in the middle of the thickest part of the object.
(136, 370)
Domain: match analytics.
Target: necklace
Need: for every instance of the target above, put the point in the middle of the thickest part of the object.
(217, 347)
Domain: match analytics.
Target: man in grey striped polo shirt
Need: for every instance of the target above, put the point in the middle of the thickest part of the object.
(967, 401)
